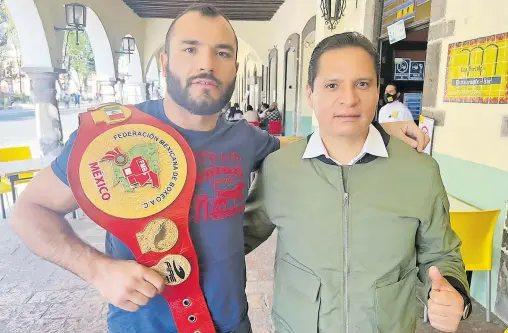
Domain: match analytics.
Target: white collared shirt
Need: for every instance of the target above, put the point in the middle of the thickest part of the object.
(373, 145)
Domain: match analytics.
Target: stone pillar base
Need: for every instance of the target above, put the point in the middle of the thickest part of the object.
(47, 115)
(134, 93)
(107, 91)
(501, 307)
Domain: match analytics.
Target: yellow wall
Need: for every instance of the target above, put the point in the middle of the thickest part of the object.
(472, 131)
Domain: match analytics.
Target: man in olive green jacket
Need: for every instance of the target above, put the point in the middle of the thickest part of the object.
(360, 215)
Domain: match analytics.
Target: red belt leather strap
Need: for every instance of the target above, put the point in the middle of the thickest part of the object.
(134, 175)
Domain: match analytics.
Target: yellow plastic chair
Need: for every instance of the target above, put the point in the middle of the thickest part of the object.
(16, 154)
(4, 189)
(476, 231)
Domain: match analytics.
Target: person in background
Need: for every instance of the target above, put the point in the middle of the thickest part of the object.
(66, 99)
(262, 110)
(263, 122)
(250, 115)
(225, 110)
(234, 114)
(273, 113)
(394, 110)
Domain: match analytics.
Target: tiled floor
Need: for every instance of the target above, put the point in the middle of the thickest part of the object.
(38, 297)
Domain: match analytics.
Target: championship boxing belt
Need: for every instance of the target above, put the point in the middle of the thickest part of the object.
(134, 176)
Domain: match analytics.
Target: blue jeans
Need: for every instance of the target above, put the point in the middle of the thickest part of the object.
(245, 327)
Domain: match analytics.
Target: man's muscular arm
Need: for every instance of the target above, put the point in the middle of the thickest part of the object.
(408, 132)
(38, 218)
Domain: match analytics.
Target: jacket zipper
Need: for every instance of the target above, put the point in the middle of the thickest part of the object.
(345, 184)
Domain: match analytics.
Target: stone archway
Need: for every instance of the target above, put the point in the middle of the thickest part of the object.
(132, 89)
(103, 56)
(32, 38)
(105, 73)
(273, 63)
(291, 67)
(104, 63)
(152, 79)
(42, 71)
(255, 89)
(304, 112)
(155, 65)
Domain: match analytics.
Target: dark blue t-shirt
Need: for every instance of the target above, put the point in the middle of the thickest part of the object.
(216, 222)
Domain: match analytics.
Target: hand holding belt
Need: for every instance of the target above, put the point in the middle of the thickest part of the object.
(134, 176)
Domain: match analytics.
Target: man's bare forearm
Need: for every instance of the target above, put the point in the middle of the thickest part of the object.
(50, 236)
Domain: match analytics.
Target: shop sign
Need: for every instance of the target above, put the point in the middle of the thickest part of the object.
(417, 71)
(477, 71)
(402, 69)
(396, 32)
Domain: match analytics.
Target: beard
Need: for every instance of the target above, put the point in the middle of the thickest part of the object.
(183, 97)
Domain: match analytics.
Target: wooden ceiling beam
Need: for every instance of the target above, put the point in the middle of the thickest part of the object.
(255, 10)
(212, 2)
(226, 12)
(221, 6)
(231, 17)
(162, 14)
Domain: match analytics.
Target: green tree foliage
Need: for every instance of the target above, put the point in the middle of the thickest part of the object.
(78, 57)
(9, 40)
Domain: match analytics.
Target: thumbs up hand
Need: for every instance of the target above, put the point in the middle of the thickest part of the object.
(446, 305)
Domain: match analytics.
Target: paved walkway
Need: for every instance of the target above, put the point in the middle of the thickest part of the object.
(38, 297)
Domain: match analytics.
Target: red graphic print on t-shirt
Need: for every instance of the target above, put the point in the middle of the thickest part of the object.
(221, 185)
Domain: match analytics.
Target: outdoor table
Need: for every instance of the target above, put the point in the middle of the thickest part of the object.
(14, 169)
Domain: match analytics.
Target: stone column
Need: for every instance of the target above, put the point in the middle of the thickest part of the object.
(501, 307)
(120, 89)
(107, 91)
(47, 115)
(441, 27)
(148, 90)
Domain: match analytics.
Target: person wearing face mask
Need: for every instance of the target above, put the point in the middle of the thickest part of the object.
(394, 110)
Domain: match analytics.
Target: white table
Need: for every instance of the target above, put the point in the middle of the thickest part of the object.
(457, 205)
(13, 170)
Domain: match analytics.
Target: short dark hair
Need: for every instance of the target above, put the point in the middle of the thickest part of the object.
(204, 10)
(339, 41)
(393, 84)
(250, 108)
